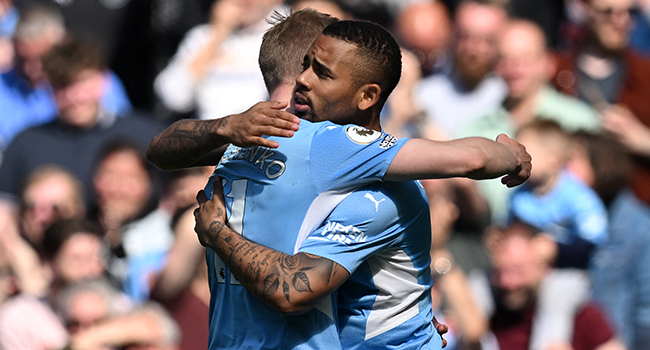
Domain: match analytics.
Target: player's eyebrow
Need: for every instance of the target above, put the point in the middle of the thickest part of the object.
(316, 65)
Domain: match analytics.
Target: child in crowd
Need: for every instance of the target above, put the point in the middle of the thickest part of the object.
(555, 202)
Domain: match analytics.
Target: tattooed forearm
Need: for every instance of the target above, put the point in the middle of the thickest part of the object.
(271, 275)
(186, 142)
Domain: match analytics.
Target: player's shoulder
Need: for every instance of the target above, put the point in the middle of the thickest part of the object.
(351, 135)
(374, 200)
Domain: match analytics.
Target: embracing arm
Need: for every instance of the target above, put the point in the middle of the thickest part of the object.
(191, 142)
(472, 157)
(291, 284)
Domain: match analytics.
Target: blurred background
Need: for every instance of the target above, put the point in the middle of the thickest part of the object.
(95, 242)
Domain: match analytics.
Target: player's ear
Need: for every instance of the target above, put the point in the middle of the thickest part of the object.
(368, 96)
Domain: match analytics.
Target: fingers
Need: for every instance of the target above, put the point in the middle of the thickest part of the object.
(217, 189)
(276, 104)
(279, 119)
(512, 181)
(263, 119)
(442, 329)
(201, 197)
(260, 141)
(502, 138)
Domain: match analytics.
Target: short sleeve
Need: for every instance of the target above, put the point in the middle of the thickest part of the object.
(351, 156)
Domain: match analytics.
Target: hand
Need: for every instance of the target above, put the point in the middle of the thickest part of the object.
(264, 118)
(210, 216)
(226, 15)
(626, 128)
(442, 330)
(88, 339)
(521, 173)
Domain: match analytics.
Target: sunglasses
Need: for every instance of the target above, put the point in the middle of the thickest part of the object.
(611, 12)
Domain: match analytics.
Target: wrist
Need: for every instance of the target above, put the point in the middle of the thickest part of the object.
(220, 132)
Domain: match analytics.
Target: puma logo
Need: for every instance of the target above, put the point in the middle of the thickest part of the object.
(369, 196)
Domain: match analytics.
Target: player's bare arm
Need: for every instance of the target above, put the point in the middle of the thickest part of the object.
(291, 284)
(473, 157)
(191, 142)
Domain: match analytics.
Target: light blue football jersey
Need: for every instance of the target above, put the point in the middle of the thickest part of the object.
(382, 234)
(568, 211)
(271, 195)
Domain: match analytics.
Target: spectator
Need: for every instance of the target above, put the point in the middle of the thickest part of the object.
(137, 231)
(451, 290)
(182, 284)
(50, 194)
(557, 203)
(615, 80)
(404, 116)
(25, 95)
(525, 64)
(98, 316)
(215, 69)
(8, 20)
(547, 14)
(73, 251)
(85, 303)
(424, 28)
(82, 127)
(122, 30)
(467, 86)
(621, 282)
(511, 298)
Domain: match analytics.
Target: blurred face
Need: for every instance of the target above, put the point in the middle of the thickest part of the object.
(45, 202)
(580, 165)
(523, 63)
(477, 29)
(610, 22)
(80, 257)
(86, 309)
(545, 164)
(29, 54)
(326, 89)
(122, 186)
(516, 272)
(79, 101)
(425, 29)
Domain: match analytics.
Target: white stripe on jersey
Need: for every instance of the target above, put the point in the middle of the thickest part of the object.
(318, 211)
(396, 278)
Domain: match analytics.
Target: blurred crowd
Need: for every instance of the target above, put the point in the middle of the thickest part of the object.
(97, 246)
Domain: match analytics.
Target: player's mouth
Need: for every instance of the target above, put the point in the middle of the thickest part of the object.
(301, 103)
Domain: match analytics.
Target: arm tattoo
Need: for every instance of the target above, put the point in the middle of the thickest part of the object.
(216, 227)
(264, 271)
(187, 141)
